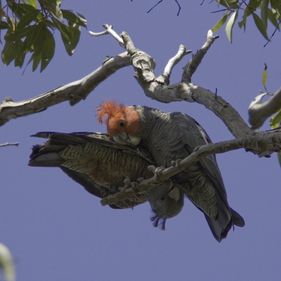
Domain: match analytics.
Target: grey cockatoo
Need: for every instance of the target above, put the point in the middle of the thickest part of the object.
(169, 137)
(100, 165)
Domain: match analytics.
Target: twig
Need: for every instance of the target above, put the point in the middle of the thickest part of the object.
(259, 111)
(179, 7)
(108, 30)
(154, 6)
(160, 1)
(191, 67)
(182, 51)
(72, 92)
(9, 144)
(263, 144)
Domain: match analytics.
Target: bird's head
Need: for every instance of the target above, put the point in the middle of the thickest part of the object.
(123, 122)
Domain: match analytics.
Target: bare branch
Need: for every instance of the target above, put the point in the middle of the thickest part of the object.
(179, 7)
(191, 67)
(182, 51)
(128, 43)
(9, 144)
(154, 6)
(72, 92)
(158, 88)
(154, 87)
(160, 1)
(108, 30)
(259, 111)
(262, 144)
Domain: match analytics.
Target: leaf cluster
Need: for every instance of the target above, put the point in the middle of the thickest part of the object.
(263, 13)
(29, 26)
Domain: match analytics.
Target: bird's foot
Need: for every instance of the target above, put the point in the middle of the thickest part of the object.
(158, 172)
(158, 222)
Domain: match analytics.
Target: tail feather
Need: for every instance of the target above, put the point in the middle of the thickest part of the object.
(221, 225)
(237, 219)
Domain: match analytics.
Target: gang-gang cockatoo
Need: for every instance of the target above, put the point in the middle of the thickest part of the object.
(169, 137)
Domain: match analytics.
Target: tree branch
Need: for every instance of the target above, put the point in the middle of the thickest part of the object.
(9, 144)
(191, 67)
(262, 144)
(160, 1)
(259, 111)
(73, 92)
(182, 51)
(108, 30)
(158, 88)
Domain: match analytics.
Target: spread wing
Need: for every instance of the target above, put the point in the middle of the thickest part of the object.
(94, 161)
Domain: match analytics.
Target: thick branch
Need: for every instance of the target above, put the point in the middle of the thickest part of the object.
(262, 144)
(72, 92)
(155, 87)
(259, 112)
(159, 89)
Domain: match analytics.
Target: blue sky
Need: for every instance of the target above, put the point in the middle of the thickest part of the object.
(57, 231)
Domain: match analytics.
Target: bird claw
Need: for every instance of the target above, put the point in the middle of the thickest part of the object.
(159, 172)
(158, 222)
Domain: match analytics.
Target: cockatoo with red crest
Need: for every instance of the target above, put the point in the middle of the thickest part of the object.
(169, 137)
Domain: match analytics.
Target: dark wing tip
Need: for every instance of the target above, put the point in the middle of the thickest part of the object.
(237, 219)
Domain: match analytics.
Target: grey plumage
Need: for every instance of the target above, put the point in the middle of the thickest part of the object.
(169, 137)
(172, 136)
(100, 165)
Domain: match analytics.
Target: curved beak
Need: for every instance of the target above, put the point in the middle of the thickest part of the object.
(124, 138)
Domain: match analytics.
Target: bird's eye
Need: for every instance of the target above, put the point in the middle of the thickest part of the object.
(122, 124)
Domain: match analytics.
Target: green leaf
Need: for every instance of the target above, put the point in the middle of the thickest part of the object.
(230, 4)
(72, 18)
(275, 121)
(250, 9)
(30, 35)
(48, 49)
(28, 18)
(19, 53)
(20, 9)
(272, 17)
(70, 36)
(30, 2)
(276, 4)
(3, 25)
(260, 25)
(36, 58)
(264, 76)
(53, 6)
(9, 52)
(230, 24)
(264, 12)
(220, 23)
